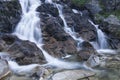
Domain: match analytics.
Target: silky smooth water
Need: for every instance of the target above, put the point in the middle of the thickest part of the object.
(29, 29)
(67, 28)
(101, 40)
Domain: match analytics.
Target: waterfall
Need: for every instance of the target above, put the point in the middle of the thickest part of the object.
(102, 42)
(48, 1)
(67, 28)
(29, 29)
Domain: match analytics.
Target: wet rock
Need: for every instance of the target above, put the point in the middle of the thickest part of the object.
(72, 75)
(111, 26)
(30, 72)
(112, 19)
(87, 51)
(61, 49)
(49, 9)
(2, 45)
(4, 70)
(93, 61)
(81, 25)
(24, 52)
(53, 28)
(9, 15)
(57, 42)
(113, 64)
(93, 7)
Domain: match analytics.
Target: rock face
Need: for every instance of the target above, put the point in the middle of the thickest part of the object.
(57, 42)
(87, 51)
(48, 9)
(111, 26)
(80, 24)
(9, 15)
(24, 52)
(111, 5)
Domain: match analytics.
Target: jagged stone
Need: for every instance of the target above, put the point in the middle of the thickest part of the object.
(24, 52)
(86, 51)
(9, 15)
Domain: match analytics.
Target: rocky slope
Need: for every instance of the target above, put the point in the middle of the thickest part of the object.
(56, 41)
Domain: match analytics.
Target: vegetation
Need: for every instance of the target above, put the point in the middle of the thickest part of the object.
(79, 2)
(116, 13)
(105, 13)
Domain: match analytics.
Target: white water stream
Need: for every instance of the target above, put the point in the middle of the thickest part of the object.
(67, 28)
(29, 29)
(101, 41)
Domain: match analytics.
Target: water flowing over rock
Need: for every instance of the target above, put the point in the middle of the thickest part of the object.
(54, 37)
(111, 26)
(24, 52)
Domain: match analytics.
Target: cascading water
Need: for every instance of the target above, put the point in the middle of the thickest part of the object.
(66, 28)
(29, 29)
(76, 11)
(102, 42)
(48, 1)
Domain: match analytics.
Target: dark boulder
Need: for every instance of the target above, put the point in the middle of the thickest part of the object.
(9, 15)
(23, 52)
(54, 29)
(86, 51)
(60, 49)
(49, 9)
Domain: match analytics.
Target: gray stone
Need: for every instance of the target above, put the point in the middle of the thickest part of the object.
(20, 78)
(72, 75)
(4, 69)
(112, 20)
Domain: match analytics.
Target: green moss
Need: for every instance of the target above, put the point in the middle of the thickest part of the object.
(118, 34)
(79, 2)
(105, 13)
(116, 13)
